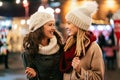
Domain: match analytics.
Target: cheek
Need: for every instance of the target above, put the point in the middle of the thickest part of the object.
(74, 30)
(70, 27)
(45, 32)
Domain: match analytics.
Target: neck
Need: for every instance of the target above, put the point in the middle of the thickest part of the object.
(45, 42)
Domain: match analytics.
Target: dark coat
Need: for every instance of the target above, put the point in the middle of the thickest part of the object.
(46, 66)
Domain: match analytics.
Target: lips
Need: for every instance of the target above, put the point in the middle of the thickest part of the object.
(68, 32)
(51, 32)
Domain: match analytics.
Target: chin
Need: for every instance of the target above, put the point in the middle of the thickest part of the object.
(51, 36)
(70, 34)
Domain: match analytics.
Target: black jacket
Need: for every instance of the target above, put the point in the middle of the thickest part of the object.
(46, 66)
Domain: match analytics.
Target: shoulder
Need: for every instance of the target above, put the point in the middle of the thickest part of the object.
(24, 53)
(94, 47)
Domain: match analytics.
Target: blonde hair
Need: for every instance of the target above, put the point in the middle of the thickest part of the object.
(82, 41)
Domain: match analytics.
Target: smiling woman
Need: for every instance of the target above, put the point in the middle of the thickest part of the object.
(81, 52)
(43, 47)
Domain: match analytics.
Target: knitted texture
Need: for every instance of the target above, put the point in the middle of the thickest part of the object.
(38, 19)
(81, 17)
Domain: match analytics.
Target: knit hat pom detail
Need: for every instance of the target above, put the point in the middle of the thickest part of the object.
(81, 16)
(91, 6)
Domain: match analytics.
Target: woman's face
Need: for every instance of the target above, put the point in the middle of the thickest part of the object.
(71, 29)
(49, 29)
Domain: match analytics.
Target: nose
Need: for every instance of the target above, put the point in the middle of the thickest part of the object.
(66, 26)
(53, 27)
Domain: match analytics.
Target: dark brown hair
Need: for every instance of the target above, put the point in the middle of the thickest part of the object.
(32, 40)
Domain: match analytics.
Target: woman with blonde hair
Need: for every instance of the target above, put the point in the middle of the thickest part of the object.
(82, 58)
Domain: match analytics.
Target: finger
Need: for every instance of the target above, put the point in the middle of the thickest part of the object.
(74, 61)
(29, 75)
(28, 68)
(26, 71)
(76, 58)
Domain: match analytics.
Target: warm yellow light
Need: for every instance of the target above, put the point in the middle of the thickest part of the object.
(110, 3)
(15, 26)
(22, 21)
(73, 4)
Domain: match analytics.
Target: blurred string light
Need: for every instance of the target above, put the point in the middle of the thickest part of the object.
(22, 21)
(28, 21)
(1, 3)
(57, 10)
(15, 26)
(25, 3)
(55, 4)
(2, 23)
(6, 23)
(112, 23)
(17, 1)
(26, 6)
(100, 27)
(108, 27)
(92, 28)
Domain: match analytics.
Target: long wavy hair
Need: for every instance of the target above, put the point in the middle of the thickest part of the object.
(32, 40)
(81, 40)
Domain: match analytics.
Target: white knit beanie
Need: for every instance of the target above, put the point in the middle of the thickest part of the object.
(81, 17)
(38, 19)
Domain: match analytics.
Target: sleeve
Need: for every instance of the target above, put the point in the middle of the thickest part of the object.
(35, 78)
(25, 59)
(27, 63)
(97, 67)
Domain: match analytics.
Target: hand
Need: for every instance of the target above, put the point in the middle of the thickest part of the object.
(30, 72)
(76, 63)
